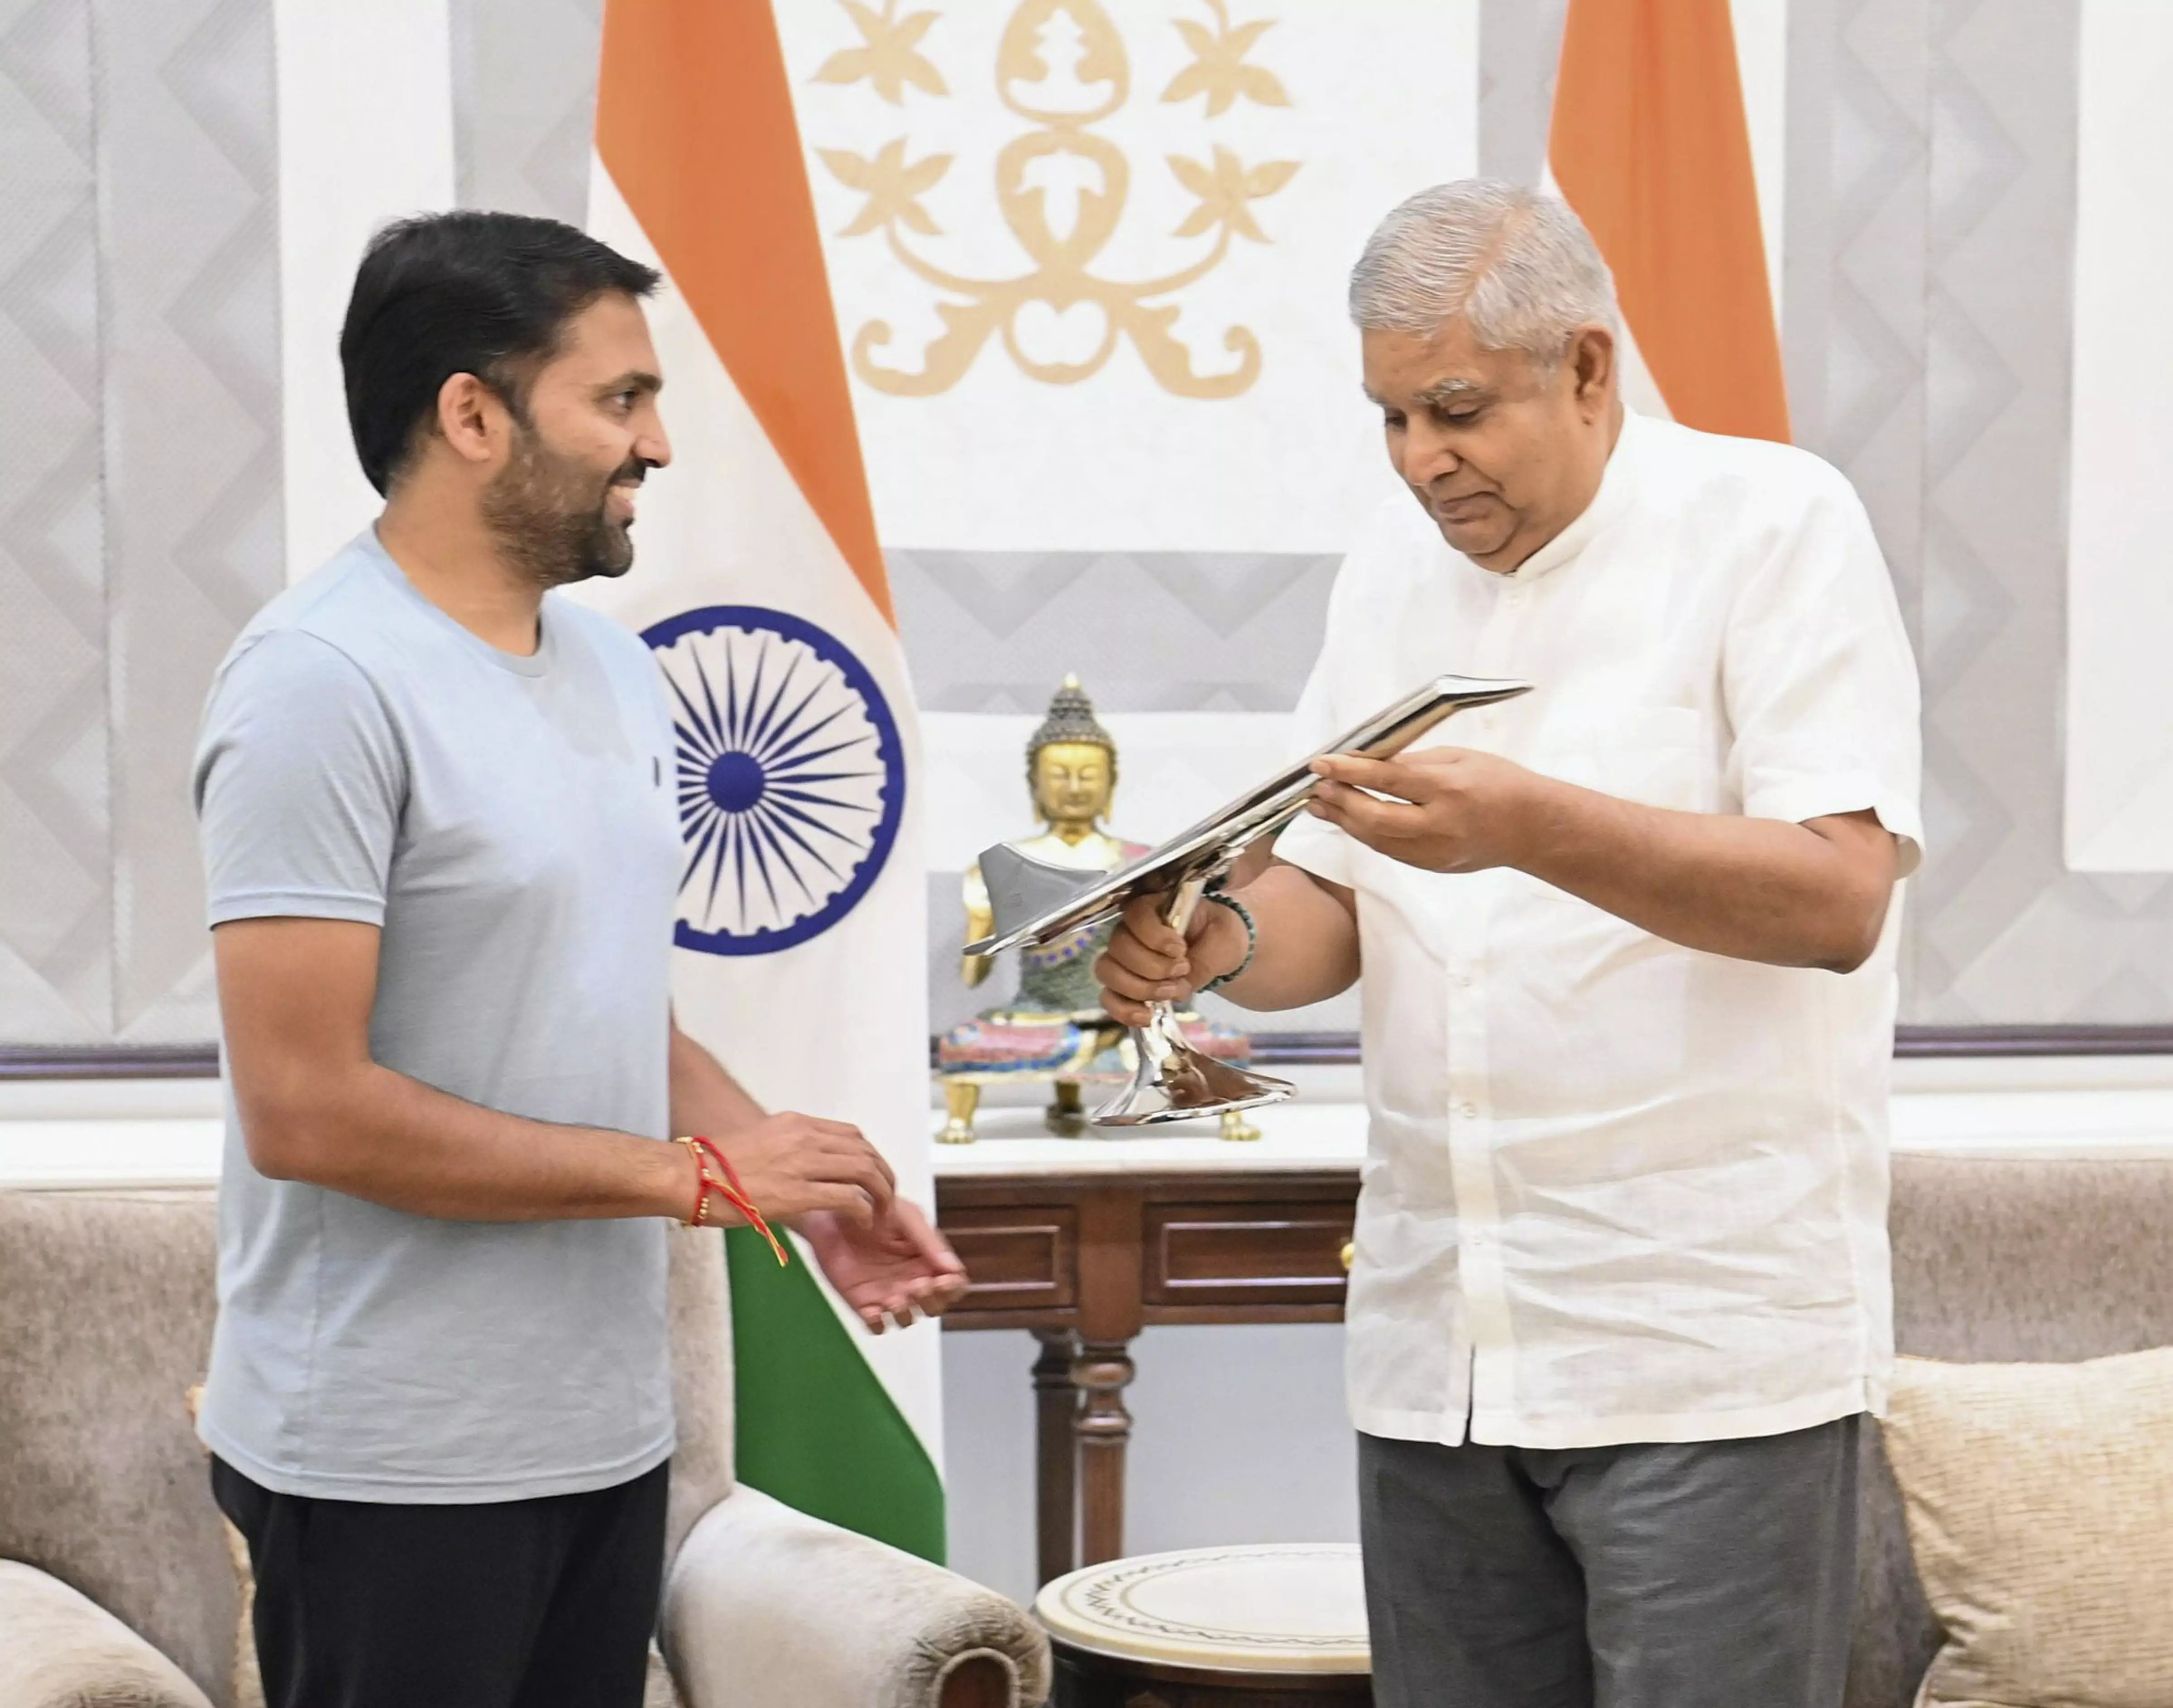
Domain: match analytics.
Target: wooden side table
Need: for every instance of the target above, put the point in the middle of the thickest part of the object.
(1085, 1242)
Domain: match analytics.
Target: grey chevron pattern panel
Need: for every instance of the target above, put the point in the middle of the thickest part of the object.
(1520, 41)
(2009, 933)
(1855, 291)
(1930, 236)
(1150, 631)
(139, 485)
(55, 876)
(187, 165)
(524, 104)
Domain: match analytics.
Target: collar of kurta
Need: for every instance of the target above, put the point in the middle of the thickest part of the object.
(1616, 483)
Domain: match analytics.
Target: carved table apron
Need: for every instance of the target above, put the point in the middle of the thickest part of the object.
(1086, 1242)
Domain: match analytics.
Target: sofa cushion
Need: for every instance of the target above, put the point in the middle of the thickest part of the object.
(2002, 1257)
(2040, 1504)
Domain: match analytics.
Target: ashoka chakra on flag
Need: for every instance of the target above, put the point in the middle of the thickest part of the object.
(791, 777)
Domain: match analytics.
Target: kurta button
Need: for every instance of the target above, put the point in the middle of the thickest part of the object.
(1470, 1112)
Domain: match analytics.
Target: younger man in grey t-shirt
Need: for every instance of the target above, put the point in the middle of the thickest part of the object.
(507, 821)
(438, 821)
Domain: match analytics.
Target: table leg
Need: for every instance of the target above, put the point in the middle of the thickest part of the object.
(1056, 1453)
(1104, 1428)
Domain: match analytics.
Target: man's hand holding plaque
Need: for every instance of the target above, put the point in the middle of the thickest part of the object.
(1150, 960)
(1444, 810)
(1030, 901)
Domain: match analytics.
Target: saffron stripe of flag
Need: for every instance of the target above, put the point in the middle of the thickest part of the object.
(1649, 145)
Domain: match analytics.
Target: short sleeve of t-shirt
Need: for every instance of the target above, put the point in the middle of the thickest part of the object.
(299, 780)
(1820, 680)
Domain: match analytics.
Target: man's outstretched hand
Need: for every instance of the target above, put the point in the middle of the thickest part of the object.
(890, 1269)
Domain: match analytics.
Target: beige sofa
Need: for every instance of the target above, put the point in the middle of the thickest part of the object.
(105, 1314)
(116, 1586)
(1997, 1261)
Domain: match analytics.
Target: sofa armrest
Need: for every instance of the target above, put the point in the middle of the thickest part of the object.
(58, 1648)
(765, 1604)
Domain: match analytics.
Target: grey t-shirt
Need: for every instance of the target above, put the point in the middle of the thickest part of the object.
(507, 822)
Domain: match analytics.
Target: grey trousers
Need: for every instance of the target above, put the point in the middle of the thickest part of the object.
(1705, 1575)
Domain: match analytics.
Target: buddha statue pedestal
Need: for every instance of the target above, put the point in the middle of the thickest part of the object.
(1056, 1030)
(1069, 1050)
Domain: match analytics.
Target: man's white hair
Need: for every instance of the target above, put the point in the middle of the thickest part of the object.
(1519, 266)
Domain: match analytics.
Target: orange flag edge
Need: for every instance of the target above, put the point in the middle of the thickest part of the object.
(694, 122)
(1650, 144)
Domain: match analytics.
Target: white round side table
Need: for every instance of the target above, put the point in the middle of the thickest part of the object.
(1212, 1628)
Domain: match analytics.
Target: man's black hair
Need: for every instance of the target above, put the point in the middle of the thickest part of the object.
(463, 292)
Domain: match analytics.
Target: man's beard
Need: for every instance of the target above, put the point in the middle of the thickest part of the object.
(548, 514)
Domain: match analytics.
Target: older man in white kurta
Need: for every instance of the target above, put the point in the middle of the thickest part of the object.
(1622, 1287)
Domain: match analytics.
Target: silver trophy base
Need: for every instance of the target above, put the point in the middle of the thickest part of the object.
(1175, 1082)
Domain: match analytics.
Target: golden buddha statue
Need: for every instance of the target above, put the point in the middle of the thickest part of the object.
(1057, 1030)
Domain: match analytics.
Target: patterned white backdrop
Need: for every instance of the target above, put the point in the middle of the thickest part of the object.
(1928, 149)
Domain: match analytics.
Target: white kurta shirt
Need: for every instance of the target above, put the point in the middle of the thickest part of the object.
(1618, 1190)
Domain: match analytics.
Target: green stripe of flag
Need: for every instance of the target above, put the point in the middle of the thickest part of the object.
(817, 1429)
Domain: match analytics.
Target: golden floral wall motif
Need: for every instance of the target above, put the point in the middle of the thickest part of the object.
(890, 57)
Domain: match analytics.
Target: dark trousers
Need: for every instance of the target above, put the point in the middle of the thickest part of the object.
(1701, 1575)
(545, 1604)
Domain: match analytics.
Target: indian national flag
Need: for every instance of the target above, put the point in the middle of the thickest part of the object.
(802, 928)
(1648, 143)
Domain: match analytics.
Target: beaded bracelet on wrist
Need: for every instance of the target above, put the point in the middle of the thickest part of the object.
(1252, 939)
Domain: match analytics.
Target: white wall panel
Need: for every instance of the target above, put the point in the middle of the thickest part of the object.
(1379, 98)
(365, 97)
(1762, 61)
(2119, 516)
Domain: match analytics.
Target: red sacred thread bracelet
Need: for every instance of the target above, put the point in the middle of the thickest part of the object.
(705, 1184)
(735, 1194)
